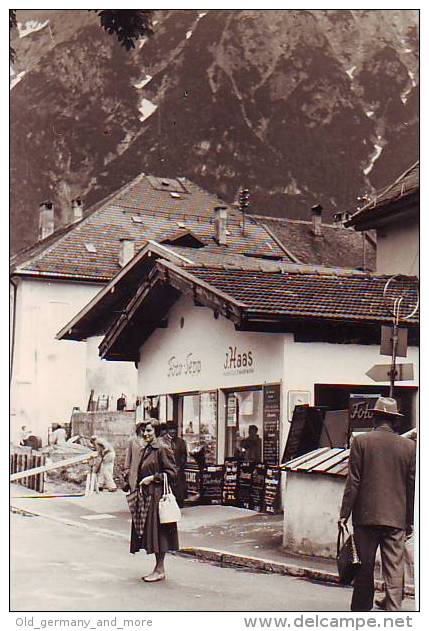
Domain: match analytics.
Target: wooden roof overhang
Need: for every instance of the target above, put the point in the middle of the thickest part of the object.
(149, 308)
(103, 310)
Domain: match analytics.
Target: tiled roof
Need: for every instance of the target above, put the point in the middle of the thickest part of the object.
(350, 305)
(298, 294)
(338, 247)
(147, 208)
(94, 318)
(406, 185)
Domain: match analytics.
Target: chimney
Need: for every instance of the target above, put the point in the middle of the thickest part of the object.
(340, 219)
(46, 219)
(220, 224)
(126, 251)
(316, 217)
(77, 210)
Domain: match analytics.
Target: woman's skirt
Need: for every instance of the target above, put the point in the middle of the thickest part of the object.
(156, 537)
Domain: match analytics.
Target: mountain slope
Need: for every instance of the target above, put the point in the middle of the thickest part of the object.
(299, 106)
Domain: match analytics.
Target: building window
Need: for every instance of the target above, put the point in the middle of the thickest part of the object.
(199, 425)
(244, 425)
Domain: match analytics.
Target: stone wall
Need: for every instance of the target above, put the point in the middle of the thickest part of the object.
(116, 427)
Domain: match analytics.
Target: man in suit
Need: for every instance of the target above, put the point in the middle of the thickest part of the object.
(379, 494)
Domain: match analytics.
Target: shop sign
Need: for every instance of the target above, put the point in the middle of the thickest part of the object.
(238, 361)
(360, 410)
(188, 366)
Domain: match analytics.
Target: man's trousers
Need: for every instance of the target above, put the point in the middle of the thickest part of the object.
(391, 542)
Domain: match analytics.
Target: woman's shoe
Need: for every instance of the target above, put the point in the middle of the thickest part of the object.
(153, 577)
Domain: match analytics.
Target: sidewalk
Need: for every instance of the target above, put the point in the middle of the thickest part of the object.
(225, 535)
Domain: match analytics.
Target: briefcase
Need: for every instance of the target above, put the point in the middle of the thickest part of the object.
(348, 562)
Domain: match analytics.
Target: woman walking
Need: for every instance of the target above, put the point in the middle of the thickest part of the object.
(156, 538)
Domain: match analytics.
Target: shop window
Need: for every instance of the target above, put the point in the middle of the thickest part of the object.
(151, 408)
(199, 426)
(244, 425)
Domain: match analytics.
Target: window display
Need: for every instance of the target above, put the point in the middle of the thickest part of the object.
(244, 435)
(199, 423)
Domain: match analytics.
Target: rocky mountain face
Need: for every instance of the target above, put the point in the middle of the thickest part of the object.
(301, 107)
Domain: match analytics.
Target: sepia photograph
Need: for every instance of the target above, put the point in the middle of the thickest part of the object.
(214, 316)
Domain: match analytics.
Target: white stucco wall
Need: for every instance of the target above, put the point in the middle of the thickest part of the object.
(203, 342)
(48, 376)
(398, 248)
(107, 377)
(191, 358)
(310, 527)
(320, 363)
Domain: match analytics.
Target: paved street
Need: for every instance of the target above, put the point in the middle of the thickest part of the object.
(79, 570)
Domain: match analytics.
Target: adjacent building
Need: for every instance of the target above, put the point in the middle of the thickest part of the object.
(56, 277)
(394, 214)
(315, 242)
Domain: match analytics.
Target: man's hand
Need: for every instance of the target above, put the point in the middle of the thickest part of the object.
(147, 480)
(409, 530)
(342, 523)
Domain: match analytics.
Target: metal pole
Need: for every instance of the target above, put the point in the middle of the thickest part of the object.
(394, 345)
(393, 364)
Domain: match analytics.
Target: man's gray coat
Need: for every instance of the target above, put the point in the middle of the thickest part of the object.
(380, 484)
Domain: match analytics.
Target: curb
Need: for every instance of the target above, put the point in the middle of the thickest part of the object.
(256, 564)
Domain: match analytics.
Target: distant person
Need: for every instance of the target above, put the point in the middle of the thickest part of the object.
(58, 436)
(164, 435)
(132, 458)
(23, 435)
(379, 494)
(180, 451)
(104, 469)
(199, 455)
(33, 441)
(252, 445)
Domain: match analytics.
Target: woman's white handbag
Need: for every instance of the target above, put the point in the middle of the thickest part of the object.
(169, 512)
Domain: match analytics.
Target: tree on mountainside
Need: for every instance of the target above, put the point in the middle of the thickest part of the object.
(127, 24)
(12, 24)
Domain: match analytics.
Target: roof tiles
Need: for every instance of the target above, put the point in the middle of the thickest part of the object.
(65, 254)
(336, 246)
(355, 297)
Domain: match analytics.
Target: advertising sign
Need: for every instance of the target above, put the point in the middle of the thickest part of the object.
(231, 411)
(360, 411)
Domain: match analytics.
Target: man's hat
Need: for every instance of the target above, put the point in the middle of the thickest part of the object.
(386, 405)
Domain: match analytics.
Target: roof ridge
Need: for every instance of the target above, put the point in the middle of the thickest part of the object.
(292, 220)
(306, 270)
